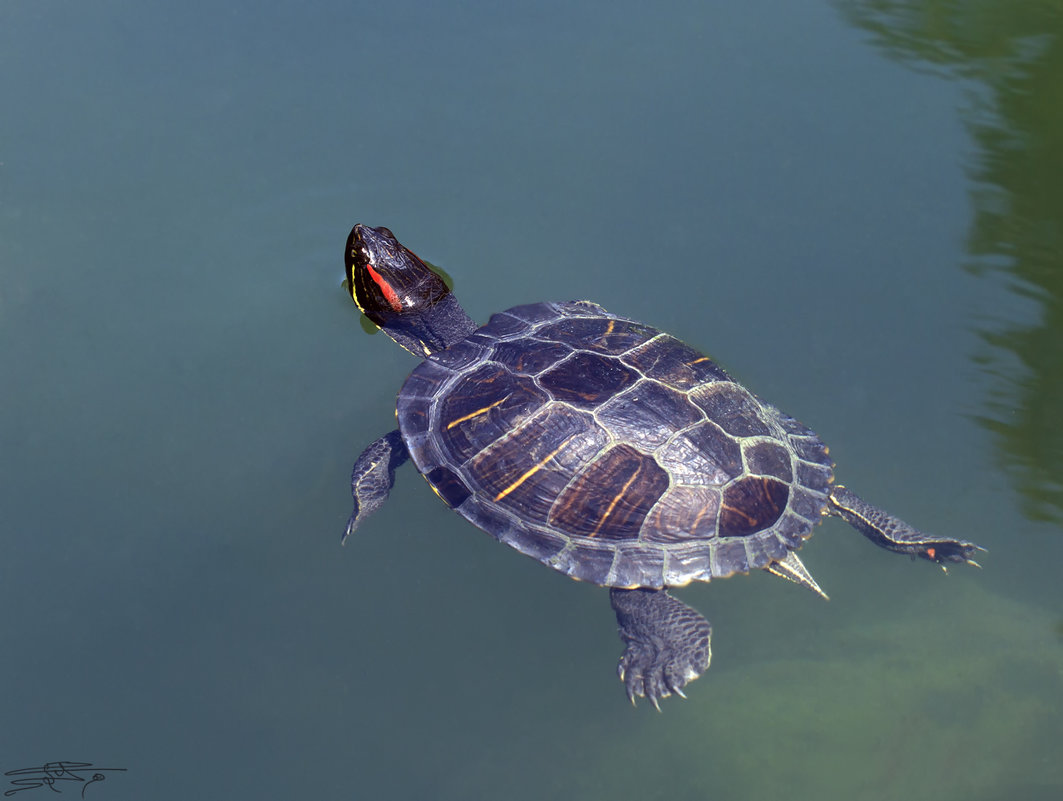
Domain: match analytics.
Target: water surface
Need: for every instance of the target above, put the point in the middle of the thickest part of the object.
(853, 206)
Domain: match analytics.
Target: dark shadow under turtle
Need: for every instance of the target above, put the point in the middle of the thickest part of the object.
(606, 449)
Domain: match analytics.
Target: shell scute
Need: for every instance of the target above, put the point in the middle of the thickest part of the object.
(675, 364)
(526, 469)
(610, 498)
(733, 408)
(650, 412)
(606, 335)
(587, 379)
(768, 458)
(526, 357)
(684, 513)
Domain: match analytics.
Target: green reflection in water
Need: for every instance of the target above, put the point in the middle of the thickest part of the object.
(1014, 53)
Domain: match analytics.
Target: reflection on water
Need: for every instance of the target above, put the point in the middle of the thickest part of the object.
(1014, 52)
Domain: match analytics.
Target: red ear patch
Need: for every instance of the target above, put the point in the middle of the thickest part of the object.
(390, 294)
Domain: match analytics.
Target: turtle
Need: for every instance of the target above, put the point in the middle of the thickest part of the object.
(606, 449)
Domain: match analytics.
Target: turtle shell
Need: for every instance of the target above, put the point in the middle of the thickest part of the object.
(611, 451)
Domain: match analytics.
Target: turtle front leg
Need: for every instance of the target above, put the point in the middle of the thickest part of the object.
(894, 534)
(667, 643)
(374, 476)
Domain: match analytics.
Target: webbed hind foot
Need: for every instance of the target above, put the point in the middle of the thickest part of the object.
(667, 643)
(894, 534)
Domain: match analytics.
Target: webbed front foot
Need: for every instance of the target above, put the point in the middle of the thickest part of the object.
(373, 477)
(667, 643)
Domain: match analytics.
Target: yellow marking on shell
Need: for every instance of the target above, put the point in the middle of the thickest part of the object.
(616, 500)
(610, 327)
(749, 518)
(532, 471)
(697, 519)
(477, 413)
(699, 361)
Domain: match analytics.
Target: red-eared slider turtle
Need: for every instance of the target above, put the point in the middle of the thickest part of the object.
(606, 449)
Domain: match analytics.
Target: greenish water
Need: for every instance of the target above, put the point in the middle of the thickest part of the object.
(855, 207)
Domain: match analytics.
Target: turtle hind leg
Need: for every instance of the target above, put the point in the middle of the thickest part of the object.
(373, 477)
(894, 534)
(667, 644)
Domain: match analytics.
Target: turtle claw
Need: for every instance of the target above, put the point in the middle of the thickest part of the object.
(966, 561)
(654, 688)
(638, 686)
(971, 561)
(667, 644)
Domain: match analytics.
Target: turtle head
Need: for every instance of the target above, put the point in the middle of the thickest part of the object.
(401, 294)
